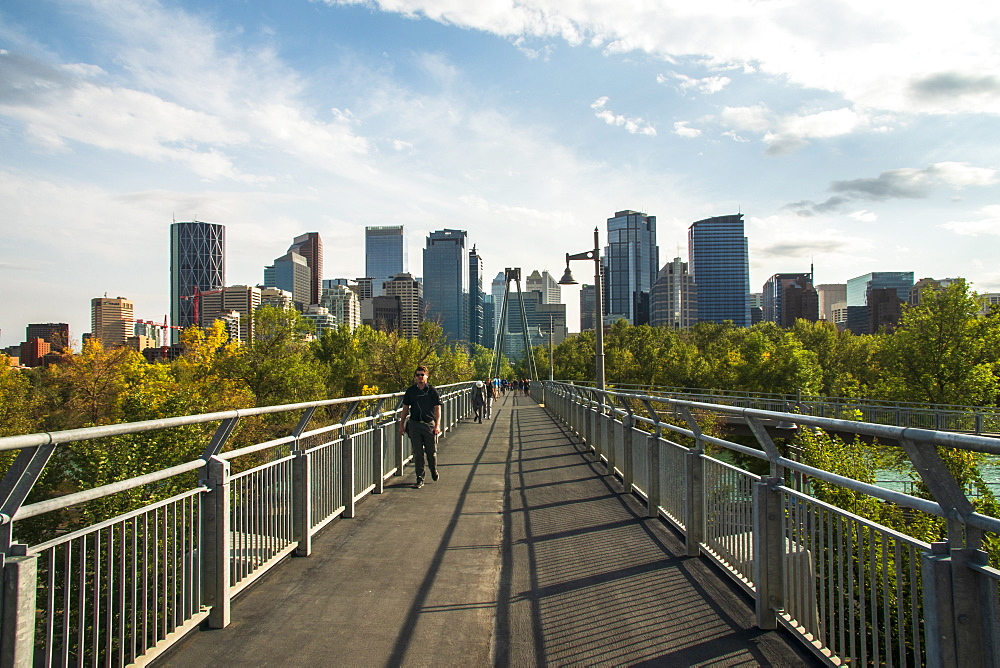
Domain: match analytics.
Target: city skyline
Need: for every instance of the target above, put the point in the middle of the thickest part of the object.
(858, 137)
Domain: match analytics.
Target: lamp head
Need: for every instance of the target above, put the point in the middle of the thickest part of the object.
(567, 278)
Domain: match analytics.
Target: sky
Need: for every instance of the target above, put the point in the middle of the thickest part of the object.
(854, 135)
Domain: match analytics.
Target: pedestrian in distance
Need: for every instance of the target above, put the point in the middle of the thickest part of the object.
(491, 395)
(421, 421)
(479, 400)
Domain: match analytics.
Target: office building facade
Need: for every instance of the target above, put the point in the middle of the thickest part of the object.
(221, 304)
(310, 247)
(342, 303)
(859, 291)
(385, 251)
(631, 261)
(446, 282)
(829, 294)
(476, 297)
(674, 297)
(197, 264)
(789, 297)
(291, 273)
(546, 284)
(56, 334)
(112, 320)
(719, 260)
(410, 293)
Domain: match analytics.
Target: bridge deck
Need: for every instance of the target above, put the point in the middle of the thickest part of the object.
(522, 554)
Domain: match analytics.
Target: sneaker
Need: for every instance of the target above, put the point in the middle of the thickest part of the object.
(434, 474)
(419, 483)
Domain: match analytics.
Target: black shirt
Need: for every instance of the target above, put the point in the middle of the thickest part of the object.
(421, 402)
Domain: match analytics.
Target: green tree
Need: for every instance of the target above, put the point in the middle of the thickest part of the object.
(278, 365)
(944, 351)
(17, 403)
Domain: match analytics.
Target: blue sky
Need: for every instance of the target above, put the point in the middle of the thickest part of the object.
(860, 136)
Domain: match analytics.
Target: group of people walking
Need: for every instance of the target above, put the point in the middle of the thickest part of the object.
(421, 415)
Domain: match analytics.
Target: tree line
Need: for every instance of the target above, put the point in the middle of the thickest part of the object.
(943, 351)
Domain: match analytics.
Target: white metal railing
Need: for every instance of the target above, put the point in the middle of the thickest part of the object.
(853, 590)
(940, 417)
(125, 588)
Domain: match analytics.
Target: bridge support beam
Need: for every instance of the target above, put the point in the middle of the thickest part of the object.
(768, 552)
(216, 544)
(17, 602)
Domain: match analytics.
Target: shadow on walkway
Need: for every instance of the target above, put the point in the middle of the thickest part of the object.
(523, 554)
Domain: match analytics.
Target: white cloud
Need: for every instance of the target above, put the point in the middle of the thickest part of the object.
(885, 54)
(864, 216)
(681, 129)
(633, 125)
(988, 224)
(705, 85)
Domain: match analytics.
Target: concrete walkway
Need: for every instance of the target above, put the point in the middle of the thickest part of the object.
(520, 555)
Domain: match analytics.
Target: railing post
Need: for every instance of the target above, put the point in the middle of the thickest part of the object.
(350, 491)
(216, 544)
(628, 467)
(768, 552)
(610, 440)
(653, 494)
(939, 618)
(975, 609)
(694, 502)
(398, 442)
(17, 601)
(302, 502)
(378, 452)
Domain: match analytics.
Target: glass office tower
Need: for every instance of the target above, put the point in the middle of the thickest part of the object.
(477, 324)
(385, 251)
(632, 261)
(719, 260)
(197, 260)
(446, 282)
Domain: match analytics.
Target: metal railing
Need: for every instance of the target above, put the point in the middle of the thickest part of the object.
(852, 590)
(938, 417)
(125, 588)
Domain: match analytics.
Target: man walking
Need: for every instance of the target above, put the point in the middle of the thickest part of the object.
(421, 420)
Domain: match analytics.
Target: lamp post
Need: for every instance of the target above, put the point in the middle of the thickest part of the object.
(567, 279)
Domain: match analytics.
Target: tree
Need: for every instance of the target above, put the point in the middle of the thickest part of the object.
(278, 365)
(944, 351)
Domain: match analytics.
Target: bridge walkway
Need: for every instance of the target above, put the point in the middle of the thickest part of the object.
(522, 554)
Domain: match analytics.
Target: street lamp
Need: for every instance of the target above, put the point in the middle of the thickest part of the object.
(567, 279)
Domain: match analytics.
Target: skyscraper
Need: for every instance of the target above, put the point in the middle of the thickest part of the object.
(291, 272)
(545, 283)
(446, 281)
(859, 290)
(475, 297)
(385, 251)
(588, 307)
(243, 299)
(829, 294)
(789, 297)
(310, 246)
(632, 261)
(197, 264)
(410, 293)
(497, 288)
(55, 334)
(112, 320)
(719, 260)
(674, 297)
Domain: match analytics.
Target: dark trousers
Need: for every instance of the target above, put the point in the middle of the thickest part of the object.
(424, 444)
